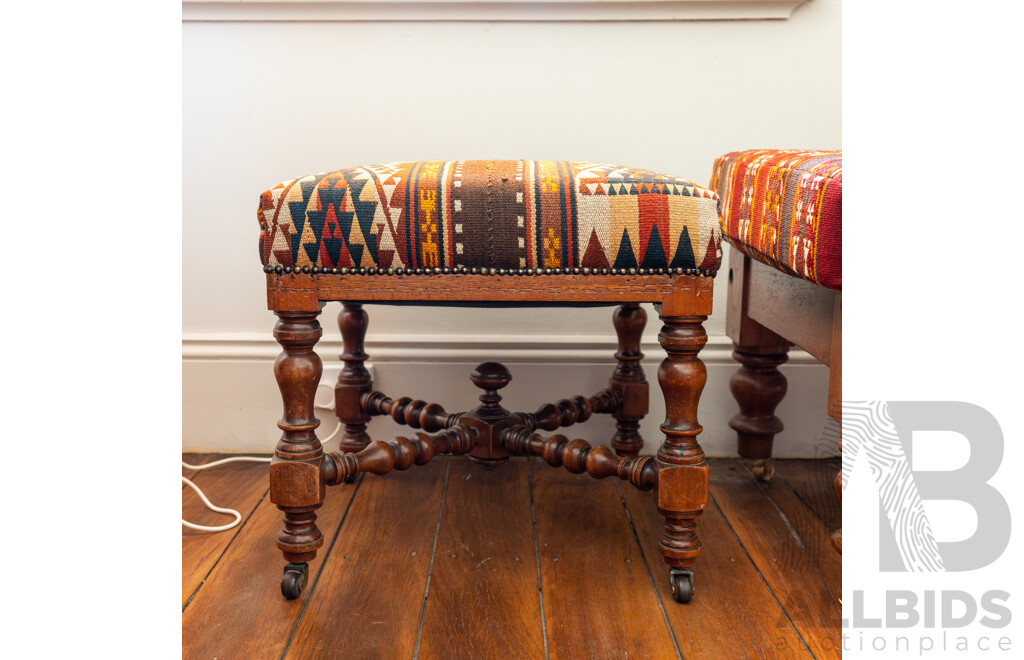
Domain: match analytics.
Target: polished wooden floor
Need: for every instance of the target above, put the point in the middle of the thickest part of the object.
(527, 561)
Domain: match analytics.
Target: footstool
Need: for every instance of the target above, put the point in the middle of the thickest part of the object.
(487, 233)
(782, 213)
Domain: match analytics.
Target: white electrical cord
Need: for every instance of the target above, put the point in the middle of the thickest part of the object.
(212, 507)
(253, 459)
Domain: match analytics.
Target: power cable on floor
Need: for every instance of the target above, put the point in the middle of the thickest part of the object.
(232, 459)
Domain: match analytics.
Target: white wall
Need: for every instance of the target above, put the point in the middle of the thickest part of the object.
(268, 101)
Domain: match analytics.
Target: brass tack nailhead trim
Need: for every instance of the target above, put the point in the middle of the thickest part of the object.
(463, 270)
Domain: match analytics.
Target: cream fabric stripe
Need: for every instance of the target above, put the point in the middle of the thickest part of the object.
(445, 215)
(531, 214)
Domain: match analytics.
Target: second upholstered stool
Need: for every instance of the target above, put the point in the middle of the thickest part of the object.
(782, 211)
(485, 233)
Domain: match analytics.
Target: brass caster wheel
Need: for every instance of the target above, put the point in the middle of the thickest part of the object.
(294, 580)
(681, 580)
(763, 469)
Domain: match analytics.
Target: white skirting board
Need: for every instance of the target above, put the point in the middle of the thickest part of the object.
(230, 400)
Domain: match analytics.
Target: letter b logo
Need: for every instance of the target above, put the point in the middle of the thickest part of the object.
(883, 431)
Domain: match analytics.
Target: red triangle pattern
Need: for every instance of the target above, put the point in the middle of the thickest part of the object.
(710, 255)
(595, 257)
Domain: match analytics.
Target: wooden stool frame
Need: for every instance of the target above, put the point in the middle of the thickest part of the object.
(300, 470)
(769, 311)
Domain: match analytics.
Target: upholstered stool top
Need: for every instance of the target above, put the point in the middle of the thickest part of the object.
(785, 208)
(492, 216)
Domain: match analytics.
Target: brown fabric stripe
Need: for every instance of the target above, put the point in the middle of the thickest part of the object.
(469, 215)
(503, 211)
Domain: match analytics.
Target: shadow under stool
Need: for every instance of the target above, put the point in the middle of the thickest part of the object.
(782, 213)
(490, 233)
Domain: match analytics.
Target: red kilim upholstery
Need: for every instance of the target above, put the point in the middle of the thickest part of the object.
(785, 208)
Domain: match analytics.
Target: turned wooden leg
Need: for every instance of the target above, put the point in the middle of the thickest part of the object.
(682, 492)
(296, 483)
(629, 380)
(758, 387)
(837, 536)
(835, 403)
(354, 379)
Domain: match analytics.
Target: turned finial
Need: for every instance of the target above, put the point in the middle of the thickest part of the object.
(490, 376)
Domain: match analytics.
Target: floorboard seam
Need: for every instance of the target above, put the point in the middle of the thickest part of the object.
(807, 503)
(761, 575)
(792, 529)
(778, 509)
(433, 553)
(536, 556)
(323, 563)
(238, 530)
(650, 574)
(811, 509)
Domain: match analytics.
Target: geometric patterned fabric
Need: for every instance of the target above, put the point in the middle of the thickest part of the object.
(495, 216)
(785, 208)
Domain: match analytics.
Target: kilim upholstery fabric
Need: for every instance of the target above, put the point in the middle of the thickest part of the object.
(785, 208)
(495, 216)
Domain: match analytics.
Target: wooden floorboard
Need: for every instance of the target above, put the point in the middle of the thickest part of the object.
(813, 482)
(196, 459)
(483, 589)
(598, 598)
(792, 556)
(767, 580)
(369, 598)
(725, 581)
(239, 611)
(238, 486)
(811, 530)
